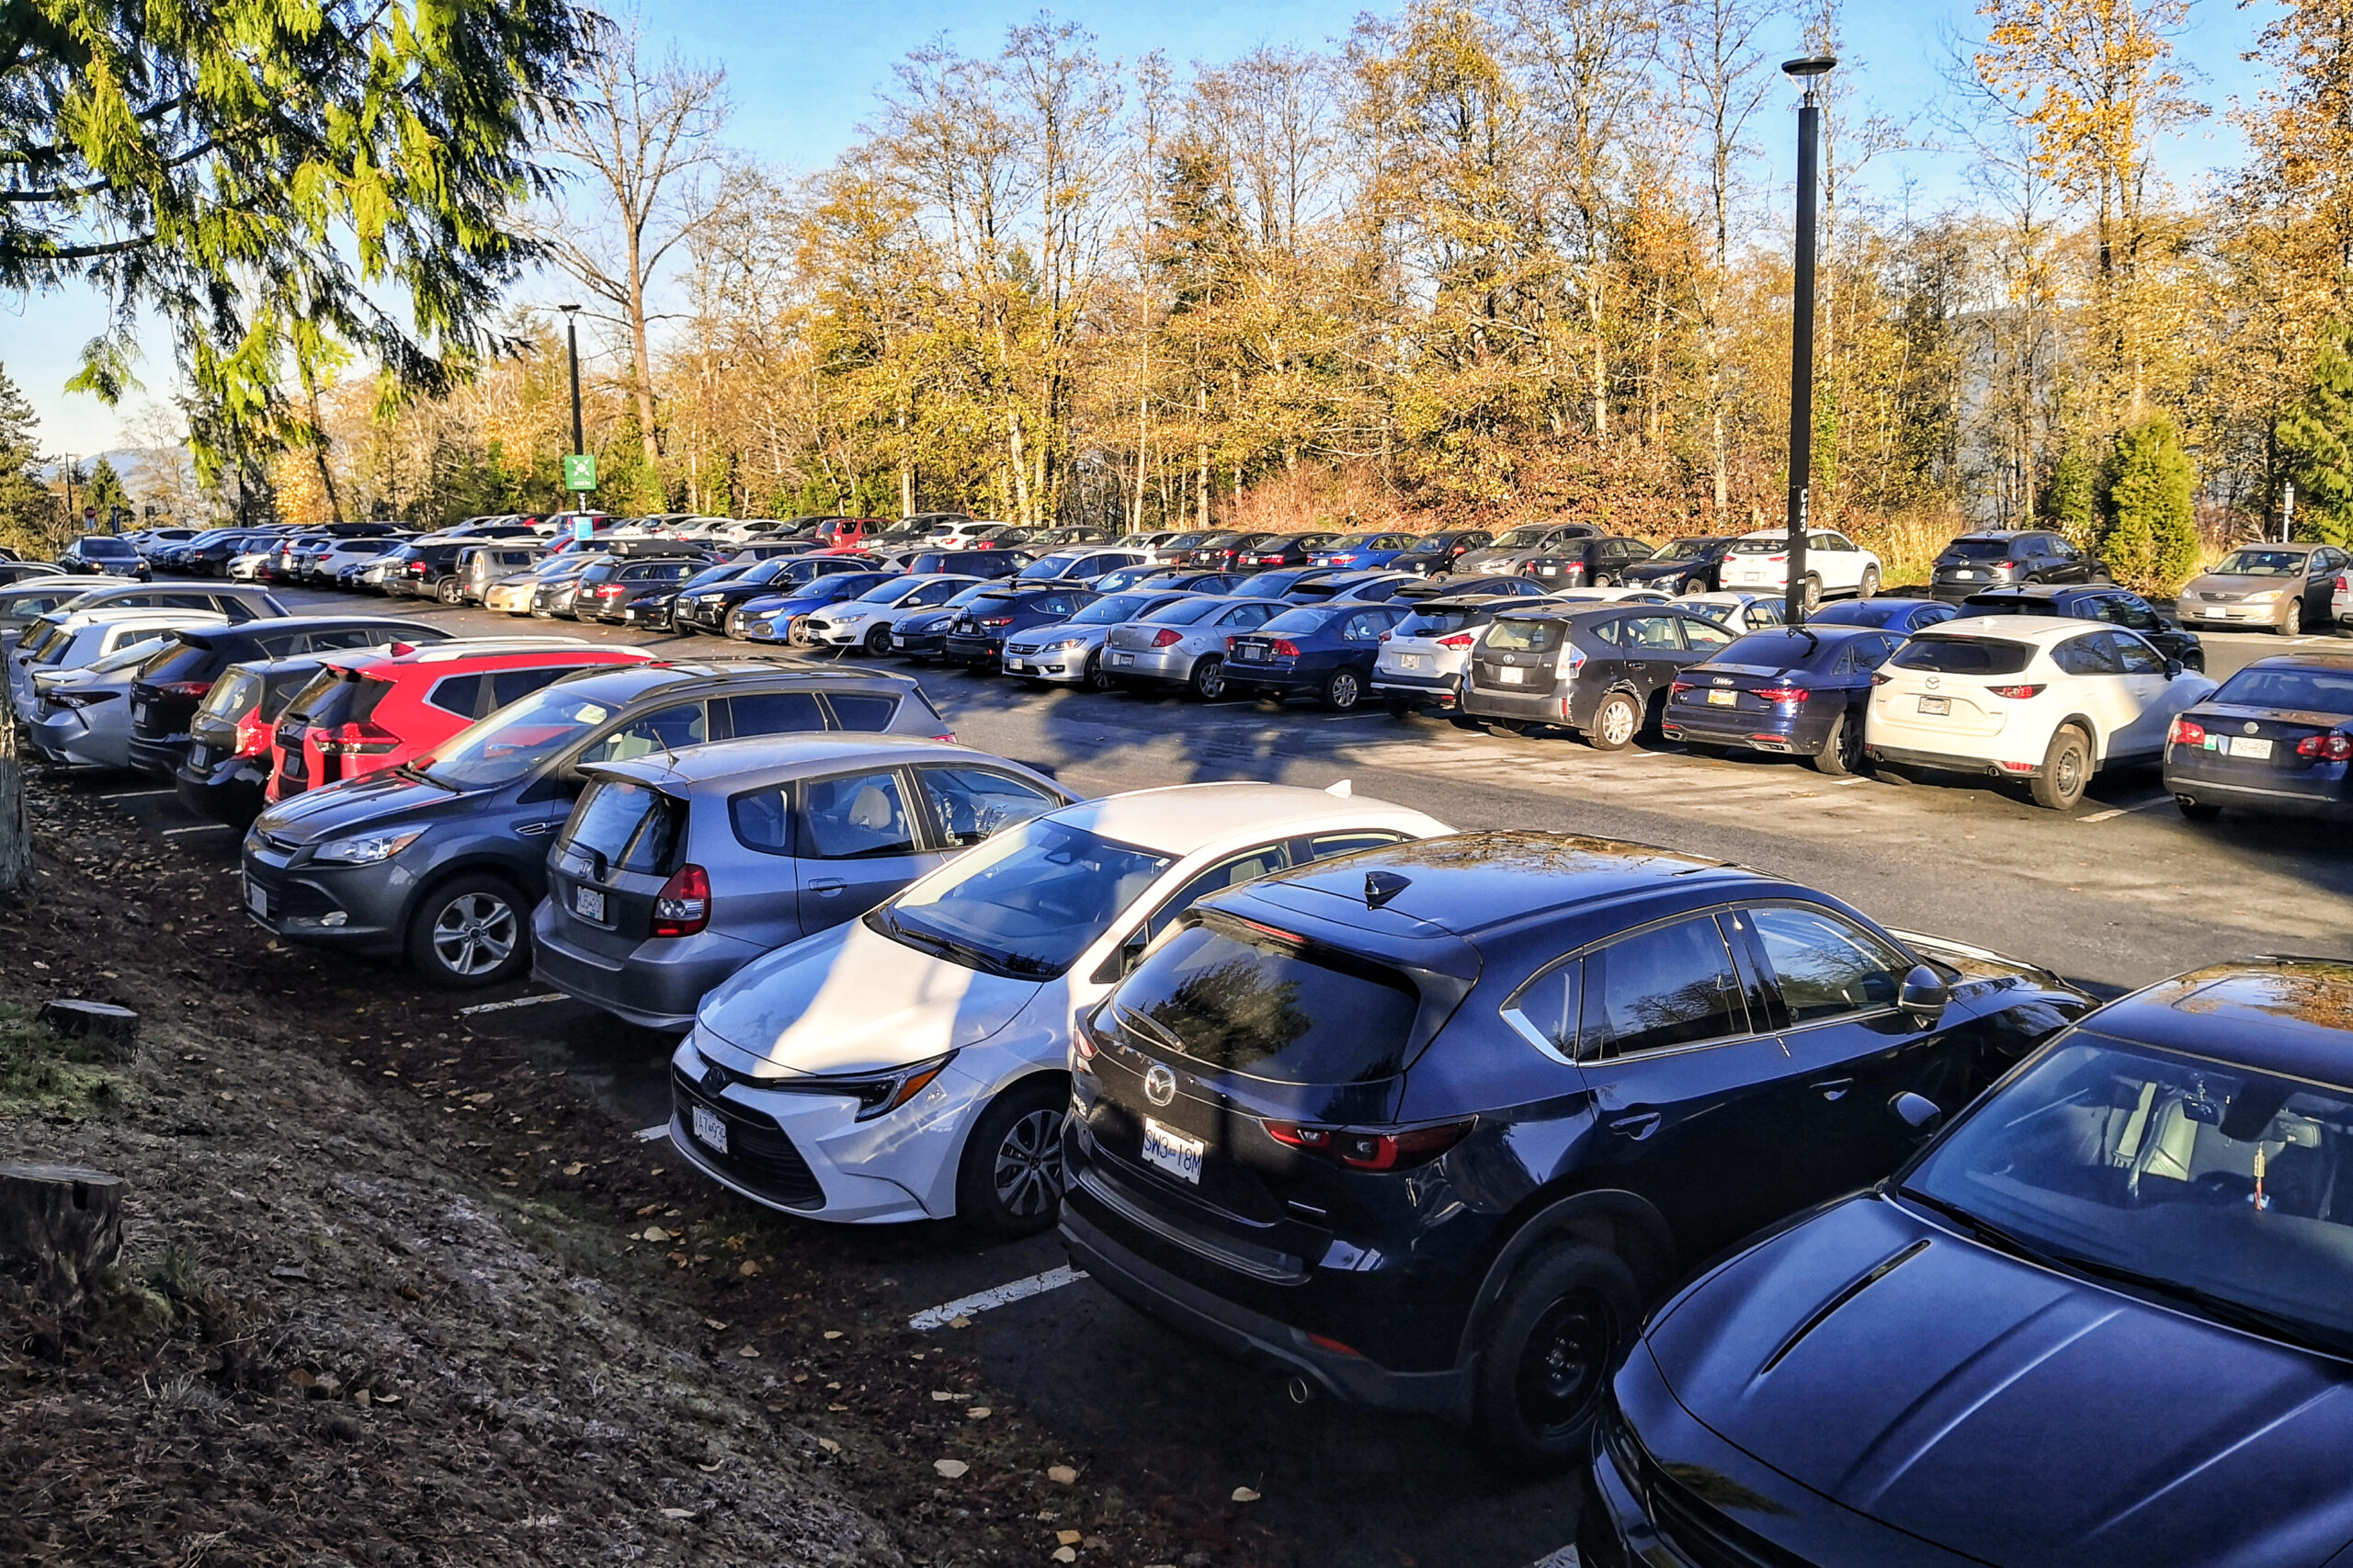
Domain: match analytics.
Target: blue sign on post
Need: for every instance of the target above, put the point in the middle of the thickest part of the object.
(582, 528)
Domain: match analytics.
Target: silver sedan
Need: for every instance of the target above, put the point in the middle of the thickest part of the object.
(1184, 643)
(82, 717)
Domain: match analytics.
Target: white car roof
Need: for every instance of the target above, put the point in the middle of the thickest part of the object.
(1188, 819)
(160, 620)
(2040, 630)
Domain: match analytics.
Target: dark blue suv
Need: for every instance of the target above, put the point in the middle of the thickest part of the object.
(1428, 1127)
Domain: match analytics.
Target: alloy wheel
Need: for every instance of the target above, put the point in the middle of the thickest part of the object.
(1209, 678)
(1028, 1175)
(474, 933)
(1617, 723)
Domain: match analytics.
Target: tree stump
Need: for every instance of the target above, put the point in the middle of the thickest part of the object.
(61, 1227)
(114, 1031)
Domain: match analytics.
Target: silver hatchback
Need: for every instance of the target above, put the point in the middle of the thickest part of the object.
(675, 871)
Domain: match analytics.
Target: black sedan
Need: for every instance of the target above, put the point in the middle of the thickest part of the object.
(1693, 565)
(1433, 553)
(1796, 693)
(2118, 606)
(1428, 1127)
(976, 636)
(1904, 615)
(1600, 562)
(1327, 651)
(1287, 550)
(923, 635)
(1222, 551)
(1601, 670)
(1974, 562)
(1277, 584)
(2276, 739)
(1954, 1367)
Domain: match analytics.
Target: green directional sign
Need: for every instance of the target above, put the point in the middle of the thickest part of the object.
(580, 471)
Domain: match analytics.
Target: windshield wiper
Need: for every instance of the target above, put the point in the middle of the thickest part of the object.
(946, 947)
(1150, 1027)
(1993, 1236)
(409, 770)
(2223, 1309)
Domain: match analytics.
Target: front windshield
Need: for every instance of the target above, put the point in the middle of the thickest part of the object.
(1526, 537)
(2261, 563)
(1680, 549)
(2212, 1185)
(1025, 902)
(516, 739)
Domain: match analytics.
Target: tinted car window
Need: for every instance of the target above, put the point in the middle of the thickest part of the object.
(1522, 636)
(457, 694)
(2320, 691)
(634, 829)
(666, 729)
(1977, 550)
(854, 816)
(1238, 1002)
(1827, 966)
(2136, 657)
(773, 713)
(1439, 622)
(2092, 655)
(1963, 655)
(865, 713)
(513, 685)
(1550, 1005)
(1670, 985)
(970, 803)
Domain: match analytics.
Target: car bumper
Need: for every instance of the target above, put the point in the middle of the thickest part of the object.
(1287, 679)
(973, 650)
(1539, 707)
(1803, 735)
(1150, 663)
(158, 756)
(64, 735)
(2323, 789)
(1058, 665)
(1950, 762)
(658, 986)
(229, 792)
(358, 907)
(2194, 615)
(1441, 690)
(922, 645)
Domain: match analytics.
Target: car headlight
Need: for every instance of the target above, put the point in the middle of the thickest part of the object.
(1070, 643)
(2267, 596)
(877, 1094)
(368, 849)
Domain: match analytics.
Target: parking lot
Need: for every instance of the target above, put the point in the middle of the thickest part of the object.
(2115, 895)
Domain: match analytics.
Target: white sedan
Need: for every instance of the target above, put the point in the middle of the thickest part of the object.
(2048, 699)
(914, 1064)
(866, 620)
(1835, 565)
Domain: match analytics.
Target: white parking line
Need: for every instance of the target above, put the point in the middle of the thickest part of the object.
(2102, 816)
(199, 827)
(136, 794)
(997, 1296)
(515, 1002)
(1564, 1557)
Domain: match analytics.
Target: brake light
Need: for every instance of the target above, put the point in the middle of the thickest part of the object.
(2006, 566)
(998, 620)
(2327, 748)
(1784, 693)
(359, 740)
(2015, 767)
(1459, 640)
(2188, 732)
(1372, 1151)
(184, 688)
(254, 735)
(1880, 677)
(1341, 560)
(1169, 637)
(1777, 560)
(683, 906)
(1270, 560)
(2016, 693)
(1286, 649)
(1678, 688)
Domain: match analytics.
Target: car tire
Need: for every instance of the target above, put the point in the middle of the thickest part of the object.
(1095, 678)
(1690, 585)
(451, 591)
(2292, 621)
(2198, 811)
(1343, 690)
(2066, 770)
(878, 642)
(2194, 661)
(1009, 1182)
(471, 931)
(1842, 754)
(1553, 1342)
(1207, 681)
(1869, 587)
(1615, 723)
(1809, 594)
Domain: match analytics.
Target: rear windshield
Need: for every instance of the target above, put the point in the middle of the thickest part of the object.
(1221, 996)
(1303, 620)
(1439, 622)
(1756, 546)
(1184, 612)
(1779, 650)
(634, 829)
(1963, 655)
(1977, 550)
(340, 699)
(182, 661)
(233, 695)
(2311, 691)
(1530, 636)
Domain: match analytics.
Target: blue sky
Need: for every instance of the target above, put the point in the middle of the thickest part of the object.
(803, 76)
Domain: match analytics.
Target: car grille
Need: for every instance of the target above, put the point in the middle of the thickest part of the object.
(759, 1155)
(1023, 650)
(1697, 1530)
(2214, 598)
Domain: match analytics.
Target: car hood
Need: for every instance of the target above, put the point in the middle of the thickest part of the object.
(2214, 582)
(2019, 1416)
(379, 799)
(851, 1000)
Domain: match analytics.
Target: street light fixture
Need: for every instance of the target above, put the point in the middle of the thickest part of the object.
(1802, 331)
(572, 350)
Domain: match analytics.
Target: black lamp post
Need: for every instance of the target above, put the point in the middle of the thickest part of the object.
(572, 350)
(1802, 331)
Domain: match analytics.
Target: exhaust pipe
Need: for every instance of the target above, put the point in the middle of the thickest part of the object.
(1301, 1394)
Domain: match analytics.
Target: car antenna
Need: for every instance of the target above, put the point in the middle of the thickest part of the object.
(1379, 887)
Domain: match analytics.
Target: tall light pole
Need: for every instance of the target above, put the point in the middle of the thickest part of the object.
(572, 352)
(1802, 331)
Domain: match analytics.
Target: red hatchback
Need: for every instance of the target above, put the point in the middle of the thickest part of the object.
(367, 711)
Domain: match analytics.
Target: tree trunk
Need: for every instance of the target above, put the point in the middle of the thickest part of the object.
(61, 1227)
(16, 828)
(114, 1029)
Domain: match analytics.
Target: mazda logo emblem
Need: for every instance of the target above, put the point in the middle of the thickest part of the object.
(1160, 1086)
(1931, 683)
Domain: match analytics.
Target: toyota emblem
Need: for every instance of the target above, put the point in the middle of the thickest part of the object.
(1160, 1085)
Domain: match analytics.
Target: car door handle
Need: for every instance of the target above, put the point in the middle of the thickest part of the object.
(1833, 1088)
(1634, 1124)
(534, 829)
(826, 886)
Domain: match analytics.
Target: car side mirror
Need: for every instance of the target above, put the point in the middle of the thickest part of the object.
(1918, 1112)
(1925, 995)
(2173, 668)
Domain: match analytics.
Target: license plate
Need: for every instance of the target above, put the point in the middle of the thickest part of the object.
(1936, 705)
(1166, 1149)
(1016, 666)
(1123, 658)
(1511, 674)
(1250, 650)
(710, 1129)
(1964, 574)
(588, 904)
(258, 899)
(2241, 745)
(1411, 661)
(1724, 699)
(138, 712)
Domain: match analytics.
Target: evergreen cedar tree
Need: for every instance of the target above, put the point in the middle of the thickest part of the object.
(2316, 442)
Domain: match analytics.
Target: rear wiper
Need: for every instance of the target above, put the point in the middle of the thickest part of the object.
(1150, 1027)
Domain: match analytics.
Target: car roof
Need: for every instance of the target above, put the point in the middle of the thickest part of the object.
(281, 626)
(2298, 547)
(1186, 819)
(2313, 660)
(627, 682)
(457, 651)
(2052, 591)
(2038, 629)
(728, 763)
(2278, 1014)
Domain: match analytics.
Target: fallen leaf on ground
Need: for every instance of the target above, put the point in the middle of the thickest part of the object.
(980, 1413)
(1062, 1473)
(712, 1324)
(960, 1322)
(1068, 1537)
(1065, 1554)
(707, 1469)
(829, 1444)
(952, 1469)
(747, 1268)
(677, 1512)
(833, 1334)
(574, 1168)
(1244, 1494)
(749, 1353)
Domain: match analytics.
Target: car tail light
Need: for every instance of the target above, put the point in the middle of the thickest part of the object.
(2006, 566)
(1170, 636)
(2345, 584)
(254, 735)
(1785, 693)
(1572, 660)
(1777, 560)
(1286, 649)
(2327, 748)
(184, 688)
(683, 906)
(998, 620)
(1459, 640)
(2016, 693)
(1270, 560)
(359, 740)
(1372, 1151)
(1678, 688)
(1341, 560)
(1880, 677)
(2015, 767)
(2187, 733)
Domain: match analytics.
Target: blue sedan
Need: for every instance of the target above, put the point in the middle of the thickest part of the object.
(1327, 650)
(1362, 550)
(1904, 615)
(772, 619)
(1799, 693)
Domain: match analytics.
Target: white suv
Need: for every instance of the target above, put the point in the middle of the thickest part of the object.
(1835, 565)
(2049, 699)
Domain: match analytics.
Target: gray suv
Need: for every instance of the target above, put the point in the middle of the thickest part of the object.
(440, 861)
(675, 871)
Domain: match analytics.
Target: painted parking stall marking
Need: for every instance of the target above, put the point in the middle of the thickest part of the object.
(512, 1002)
(995, 1296)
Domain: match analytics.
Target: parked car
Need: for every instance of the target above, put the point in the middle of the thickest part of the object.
(633, 593)
(1182, 580)
(22, 604)
(1686, 565)
(1278, 583)
(2039, 699)
(1077, 567)
(1835, 566)
(1071, 652)
(990, 562)
(1184, 643)
(441, 862)
(2280, 587)
(777, 617)
(675, 871)
(1282, 551)
(104, 555)
(1363, 552)
(2274, 739)
(1434, 554)
(366, 712)
(1217, 551)
(226, 770)
(1429, 1126)
(2118, 606)
(1352, 587)
(1974, 562)
(1423, 656)
(914, 1063)
(557, 594)
(516, 594)
(865, 620)
(1794, 693)
(922, 634)
(1905, 615)
(709, 606)
(976, 637)
(1918, 1374)
(482, 567)
(1601, 670)
(169, 689)
(1508, 554)
(209, 556)
(79, 716)
(22, 570)
(1463, 587)
(234, 603)
(83, 637)
(2341, 604)
(1326, 651)
(1071, 534)
(1599, 562)
(1740, 613)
